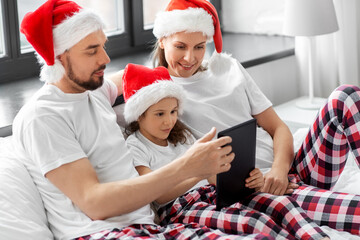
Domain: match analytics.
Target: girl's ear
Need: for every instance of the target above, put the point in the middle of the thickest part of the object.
(141, 117)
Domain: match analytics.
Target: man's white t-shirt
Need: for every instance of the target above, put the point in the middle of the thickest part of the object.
(54, 129)
(153, 156)
(224, 100)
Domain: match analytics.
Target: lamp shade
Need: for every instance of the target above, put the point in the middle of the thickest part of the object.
(309, 17)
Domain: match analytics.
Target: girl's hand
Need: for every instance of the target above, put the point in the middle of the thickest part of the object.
(256, 180)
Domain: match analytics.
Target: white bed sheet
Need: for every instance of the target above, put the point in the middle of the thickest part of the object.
(29, 216)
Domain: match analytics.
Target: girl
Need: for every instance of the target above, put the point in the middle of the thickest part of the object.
(156, 137)
(221, 93)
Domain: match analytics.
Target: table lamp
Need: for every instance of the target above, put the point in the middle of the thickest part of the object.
(309, 18)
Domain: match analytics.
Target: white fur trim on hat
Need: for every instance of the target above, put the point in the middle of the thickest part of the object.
(149, 95)
(65, 35)
(73, 29)
(189, 20)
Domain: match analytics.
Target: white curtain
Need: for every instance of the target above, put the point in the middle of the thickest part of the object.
(337, 55)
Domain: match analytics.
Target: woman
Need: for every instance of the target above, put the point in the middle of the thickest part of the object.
(221, 93)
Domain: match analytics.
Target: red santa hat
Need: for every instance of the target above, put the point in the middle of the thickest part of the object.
(189, 16)
(144, 87)
(55, 27)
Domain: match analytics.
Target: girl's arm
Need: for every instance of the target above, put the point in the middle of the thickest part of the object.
(212, 179)
(174, 192)
(256, 180)
(276, 181)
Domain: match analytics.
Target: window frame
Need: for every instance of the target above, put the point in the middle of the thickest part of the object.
(134, 38)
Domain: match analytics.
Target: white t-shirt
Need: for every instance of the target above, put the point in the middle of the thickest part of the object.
(153, 156)
(55, 128)
(224, 100)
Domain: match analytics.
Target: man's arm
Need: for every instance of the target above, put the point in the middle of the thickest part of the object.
(78, 180)
(117, 79)
(176, 191)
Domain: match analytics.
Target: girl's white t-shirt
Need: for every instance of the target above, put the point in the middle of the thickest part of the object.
(153, 156)
(223, 100)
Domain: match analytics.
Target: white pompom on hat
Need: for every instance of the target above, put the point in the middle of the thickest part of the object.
(144, 87)
(55, 27)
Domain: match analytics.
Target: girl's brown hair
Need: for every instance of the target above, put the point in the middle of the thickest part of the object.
(179, 134)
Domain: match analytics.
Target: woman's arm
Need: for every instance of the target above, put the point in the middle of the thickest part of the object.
(117, 79)
(276, 181)
(174, 192)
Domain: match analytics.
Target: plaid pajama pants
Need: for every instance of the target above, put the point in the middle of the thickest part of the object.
(278, 216)
(322, 157)
(193, 216)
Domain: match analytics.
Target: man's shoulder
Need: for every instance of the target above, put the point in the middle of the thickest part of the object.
(37, 106)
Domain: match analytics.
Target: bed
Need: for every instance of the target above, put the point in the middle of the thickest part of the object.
(22, 214)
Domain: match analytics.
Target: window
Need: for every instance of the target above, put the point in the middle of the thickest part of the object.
(16, 53)
(24, 7)
(112, 13)
(149, 11)
(2, 47)
(128, 27)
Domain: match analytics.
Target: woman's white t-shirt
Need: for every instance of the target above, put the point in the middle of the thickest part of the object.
(223, 100)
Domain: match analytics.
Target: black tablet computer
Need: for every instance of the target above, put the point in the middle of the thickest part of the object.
(230, 185)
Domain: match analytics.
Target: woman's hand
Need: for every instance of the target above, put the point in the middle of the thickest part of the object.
(256, 180)
(277, 183)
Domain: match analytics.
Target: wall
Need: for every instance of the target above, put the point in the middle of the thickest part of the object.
(277, 79)
(252, 16)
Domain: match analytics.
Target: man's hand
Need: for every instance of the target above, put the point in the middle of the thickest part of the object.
(208, 157)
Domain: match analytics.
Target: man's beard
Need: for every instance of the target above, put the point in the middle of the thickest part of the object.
(91, 84)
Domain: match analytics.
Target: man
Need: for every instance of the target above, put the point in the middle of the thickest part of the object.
(69, 141)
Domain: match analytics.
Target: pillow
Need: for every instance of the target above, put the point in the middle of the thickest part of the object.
(22, 213)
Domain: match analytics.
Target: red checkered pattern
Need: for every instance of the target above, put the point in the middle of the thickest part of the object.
(278, 216)
(322, 157)
(340, 211)
(172, 231)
